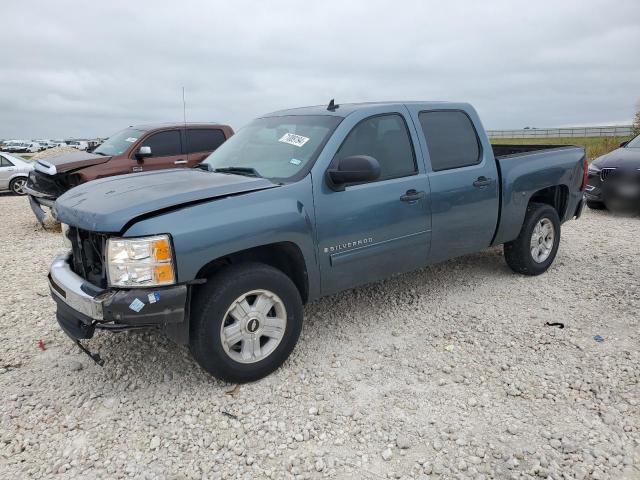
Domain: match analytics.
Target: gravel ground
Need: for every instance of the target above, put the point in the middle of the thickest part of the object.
(448, 372)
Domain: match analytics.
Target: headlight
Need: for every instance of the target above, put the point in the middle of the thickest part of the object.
(140, 262)
(593, 170)
(65, 235)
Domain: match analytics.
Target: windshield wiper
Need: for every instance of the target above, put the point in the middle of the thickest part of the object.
(246, 171)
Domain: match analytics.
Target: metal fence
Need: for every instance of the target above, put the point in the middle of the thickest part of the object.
(602, 131)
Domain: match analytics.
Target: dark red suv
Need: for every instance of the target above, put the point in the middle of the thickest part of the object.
(134, 149)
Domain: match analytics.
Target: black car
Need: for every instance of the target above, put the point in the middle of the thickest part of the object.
(614, 178)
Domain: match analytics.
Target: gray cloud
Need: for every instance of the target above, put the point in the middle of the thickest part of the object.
(91, 68)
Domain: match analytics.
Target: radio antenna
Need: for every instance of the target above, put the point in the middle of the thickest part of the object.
(184, 119)
(184, 109)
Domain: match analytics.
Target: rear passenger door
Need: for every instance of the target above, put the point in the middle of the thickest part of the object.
(6, 170)
(166, 151)
(464, 182)
(200, 142)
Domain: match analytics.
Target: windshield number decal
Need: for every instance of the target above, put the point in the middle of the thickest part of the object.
(130, 139)
(293, 139)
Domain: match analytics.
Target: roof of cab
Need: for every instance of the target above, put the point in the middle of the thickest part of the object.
(345, 109)
(155, 126)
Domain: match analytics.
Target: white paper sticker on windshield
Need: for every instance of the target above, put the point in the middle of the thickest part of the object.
(293, 139)
(295, 161)
(130, 139)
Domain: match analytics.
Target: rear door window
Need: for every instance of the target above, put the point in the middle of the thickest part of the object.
(5, 163)
(451, 139)
(164, 144)
(204, 139)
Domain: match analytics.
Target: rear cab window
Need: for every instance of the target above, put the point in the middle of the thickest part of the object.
(203, 139)
(451, 139)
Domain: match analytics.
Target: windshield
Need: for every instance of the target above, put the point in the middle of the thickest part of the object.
(275, 147)
(119, 143)
(635, 143)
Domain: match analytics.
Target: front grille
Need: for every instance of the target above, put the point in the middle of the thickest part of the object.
(47, 184)
(88, 254)
(606, 173)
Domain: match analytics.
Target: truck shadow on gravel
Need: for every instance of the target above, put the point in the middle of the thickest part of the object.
(151, 357)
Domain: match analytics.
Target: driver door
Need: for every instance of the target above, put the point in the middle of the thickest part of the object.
(372, 230)
(166, 152)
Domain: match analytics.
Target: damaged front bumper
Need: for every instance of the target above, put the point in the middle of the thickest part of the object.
(82, 307)
(37, 200)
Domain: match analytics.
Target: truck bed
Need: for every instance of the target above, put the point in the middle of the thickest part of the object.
(526, 169)
(506, 150)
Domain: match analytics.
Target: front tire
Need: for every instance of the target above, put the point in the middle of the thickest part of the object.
(533, 252)
(245, 322)
(17, 185)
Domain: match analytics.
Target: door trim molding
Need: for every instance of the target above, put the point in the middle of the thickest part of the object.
(341, 258)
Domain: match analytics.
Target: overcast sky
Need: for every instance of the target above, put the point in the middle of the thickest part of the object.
(92, 68)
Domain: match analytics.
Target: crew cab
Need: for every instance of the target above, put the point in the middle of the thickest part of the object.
(300, 204)
(134, 149)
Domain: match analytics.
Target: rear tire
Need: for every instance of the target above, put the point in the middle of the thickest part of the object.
(17, 185)
(596, 205)
(234, 298)
(533, 252)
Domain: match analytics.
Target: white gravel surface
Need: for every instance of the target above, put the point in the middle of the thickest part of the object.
(448, 372)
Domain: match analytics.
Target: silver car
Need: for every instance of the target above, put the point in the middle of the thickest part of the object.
(14, 172)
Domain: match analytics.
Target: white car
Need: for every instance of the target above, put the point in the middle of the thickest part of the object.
(45, 144)
(32, 147)
(12, 145)
(24, 147)
(79, 144)
(14, 172)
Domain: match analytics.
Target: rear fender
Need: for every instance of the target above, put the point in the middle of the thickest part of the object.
(525, 176)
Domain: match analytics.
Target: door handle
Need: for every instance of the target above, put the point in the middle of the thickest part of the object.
(180, 162)
(482, 182)
(412, 196)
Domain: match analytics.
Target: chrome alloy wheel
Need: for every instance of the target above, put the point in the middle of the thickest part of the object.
(253, 326)
(542, 240)
(18, 186)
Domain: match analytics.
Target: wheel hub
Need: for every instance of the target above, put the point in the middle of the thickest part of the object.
(253, 326)
(542, 239)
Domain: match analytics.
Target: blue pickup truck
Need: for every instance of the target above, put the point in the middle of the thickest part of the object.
(300, 204)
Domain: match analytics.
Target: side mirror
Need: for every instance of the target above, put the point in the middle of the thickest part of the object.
(143, 152)
(354, 169)
(624, 144)
(203, 166)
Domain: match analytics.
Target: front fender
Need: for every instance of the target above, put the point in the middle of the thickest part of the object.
(205, 232)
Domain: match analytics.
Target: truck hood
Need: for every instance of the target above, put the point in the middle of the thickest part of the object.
(620, 158)
(69, 161)
(109, 204)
